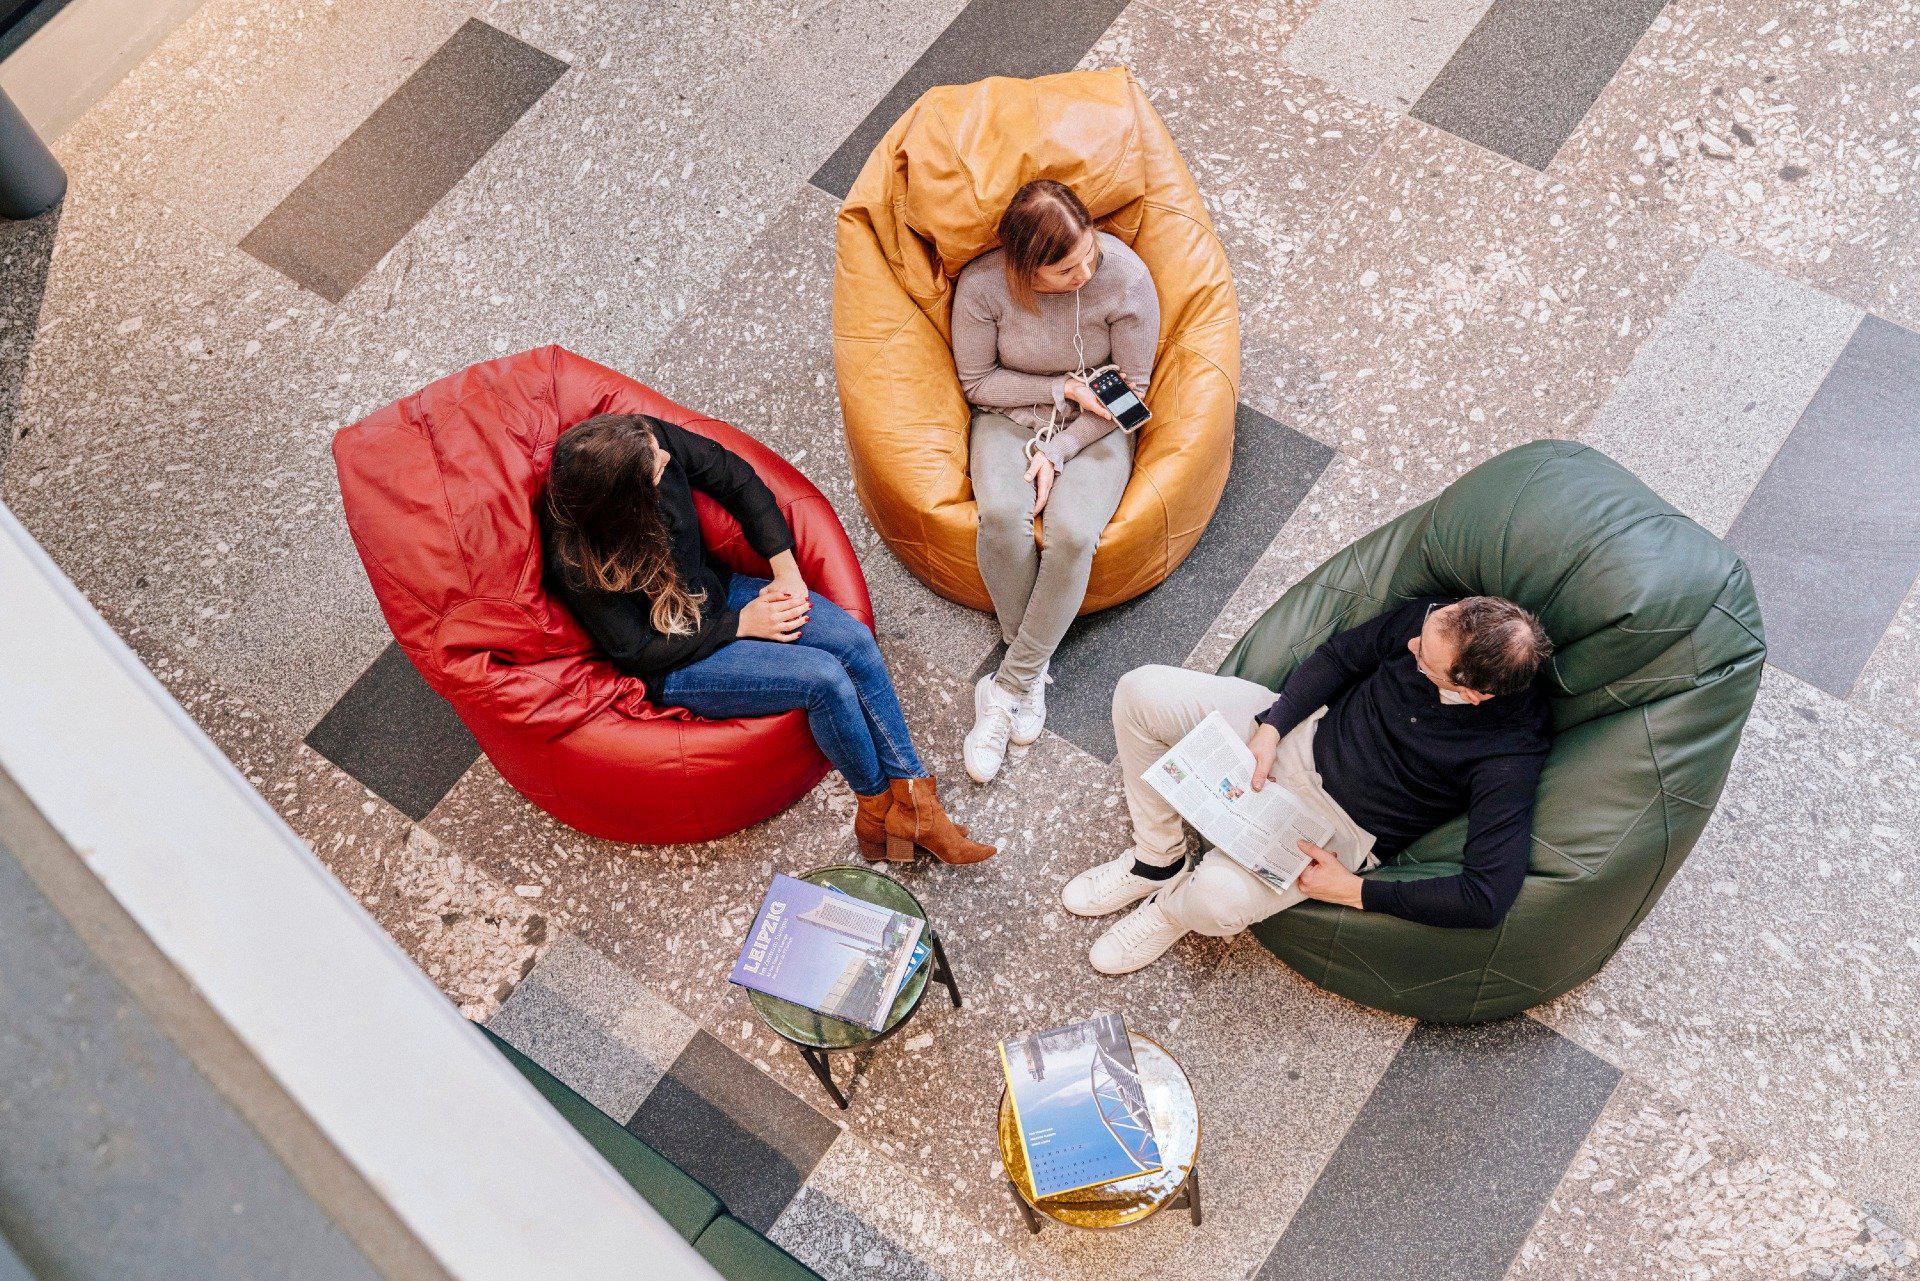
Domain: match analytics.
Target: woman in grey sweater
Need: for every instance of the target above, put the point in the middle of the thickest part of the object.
(1031, 321)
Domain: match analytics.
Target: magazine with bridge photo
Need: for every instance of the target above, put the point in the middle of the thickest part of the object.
(1207, 776)
(1079, 1104)
(842, 956)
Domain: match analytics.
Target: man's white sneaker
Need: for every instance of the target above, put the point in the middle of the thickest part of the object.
(1137, 939)
(985, 748)
(1030, 713)
(1104, 890)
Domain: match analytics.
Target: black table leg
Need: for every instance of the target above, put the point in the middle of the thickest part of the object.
(943, 972)
(1026, 1211)
(1193, 1195)
(818, 1062)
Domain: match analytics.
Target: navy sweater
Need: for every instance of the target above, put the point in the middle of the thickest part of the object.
(1401, 763)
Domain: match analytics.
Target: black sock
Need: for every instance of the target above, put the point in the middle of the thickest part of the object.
(1155, 873)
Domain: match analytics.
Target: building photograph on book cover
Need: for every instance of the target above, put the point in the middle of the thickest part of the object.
(828, 951)
(1081, 1110)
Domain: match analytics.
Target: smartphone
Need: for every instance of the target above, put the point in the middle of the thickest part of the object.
(1127, 409)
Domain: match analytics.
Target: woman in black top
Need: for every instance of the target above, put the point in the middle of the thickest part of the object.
(623, 550)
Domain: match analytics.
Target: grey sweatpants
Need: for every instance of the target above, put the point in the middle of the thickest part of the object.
(1037, 591)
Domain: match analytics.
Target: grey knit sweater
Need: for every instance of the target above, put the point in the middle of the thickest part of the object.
(1015, 362)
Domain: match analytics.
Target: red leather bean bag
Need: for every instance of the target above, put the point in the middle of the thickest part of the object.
(440, 492)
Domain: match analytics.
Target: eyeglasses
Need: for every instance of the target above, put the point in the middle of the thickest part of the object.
(1420, 647)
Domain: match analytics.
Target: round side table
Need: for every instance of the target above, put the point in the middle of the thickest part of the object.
(817, 1035)
(1176, 1129)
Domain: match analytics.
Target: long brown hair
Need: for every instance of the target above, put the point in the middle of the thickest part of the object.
(1044, 222)
(603, 517)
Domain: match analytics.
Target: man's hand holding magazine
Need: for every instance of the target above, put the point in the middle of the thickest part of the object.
(1326, 879)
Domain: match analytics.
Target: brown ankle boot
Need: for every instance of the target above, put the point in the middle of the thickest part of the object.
(870, 824)
(917, 821)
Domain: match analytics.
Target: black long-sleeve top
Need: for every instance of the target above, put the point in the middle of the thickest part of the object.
(621, 623)
(1401, 762)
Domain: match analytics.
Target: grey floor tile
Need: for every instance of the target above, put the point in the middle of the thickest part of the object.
(26, 253)
(1889, 685)
(1832, 531)
(1386, 51)
(1523, 79)
(1769, 987)
(397, 736)
(342, 219)
(593, 1025)
(1273, 468)
(987, 38)
(1702, 409)
(1443, 1173)
(725, 1123)
(1674, 1198)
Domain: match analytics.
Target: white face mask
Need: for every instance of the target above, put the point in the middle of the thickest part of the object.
(1452, 698)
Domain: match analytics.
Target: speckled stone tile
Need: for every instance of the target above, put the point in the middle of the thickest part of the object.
(1889, 685)
(474, 936)
(26, 256)
(1349, 500)
(1267, 146)
(862, 1215)
(621, 201)
(240, 103)
(1454, 304)
(175, 417)
(1771, 985)
(1660, 1193)
(1710, 396)
(1780, 133)
(1260, 28)
(1386, 51)
(593, 1025)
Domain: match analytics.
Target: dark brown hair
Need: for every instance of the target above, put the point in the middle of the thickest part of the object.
(1501, 645)
(603, 517)
(1044, 222)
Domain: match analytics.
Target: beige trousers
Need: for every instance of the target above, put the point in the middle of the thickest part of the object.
(1153, 708)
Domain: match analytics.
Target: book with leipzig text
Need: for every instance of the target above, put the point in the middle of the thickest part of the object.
(829, 951)
(1079, 1105)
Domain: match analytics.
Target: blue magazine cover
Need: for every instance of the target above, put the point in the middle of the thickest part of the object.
(1080, 1106)
(828, 951)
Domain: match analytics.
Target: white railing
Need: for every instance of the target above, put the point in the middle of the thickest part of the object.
(484, 1174)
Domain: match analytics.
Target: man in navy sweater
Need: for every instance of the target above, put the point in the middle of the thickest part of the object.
(1384, 733)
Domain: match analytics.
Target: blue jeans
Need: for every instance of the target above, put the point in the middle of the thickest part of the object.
(833, 670)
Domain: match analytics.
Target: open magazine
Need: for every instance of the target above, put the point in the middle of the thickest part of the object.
(1207, 776)
(1080, 1105)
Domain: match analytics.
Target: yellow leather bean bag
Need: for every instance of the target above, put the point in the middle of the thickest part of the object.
(926, 204)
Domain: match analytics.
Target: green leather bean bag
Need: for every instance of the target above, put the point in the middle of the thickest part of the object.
(1659, 651)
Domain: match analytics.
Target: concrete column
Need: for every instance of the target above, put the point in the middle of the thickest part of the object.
(31, 180)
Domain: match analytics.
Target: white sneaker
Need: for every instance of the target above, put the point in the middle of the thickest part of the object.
(985, 749)
(1104, 890)
(1136, 940)
(1030, 713)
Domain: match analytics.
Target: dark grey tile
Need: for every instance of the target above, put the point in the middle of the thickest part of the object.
(729, 1125)
(397, 736)
(1443, 1173)
(342, 219)
(987, 38)
(1523, 79)
(1832, 531)
(1273, 468)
